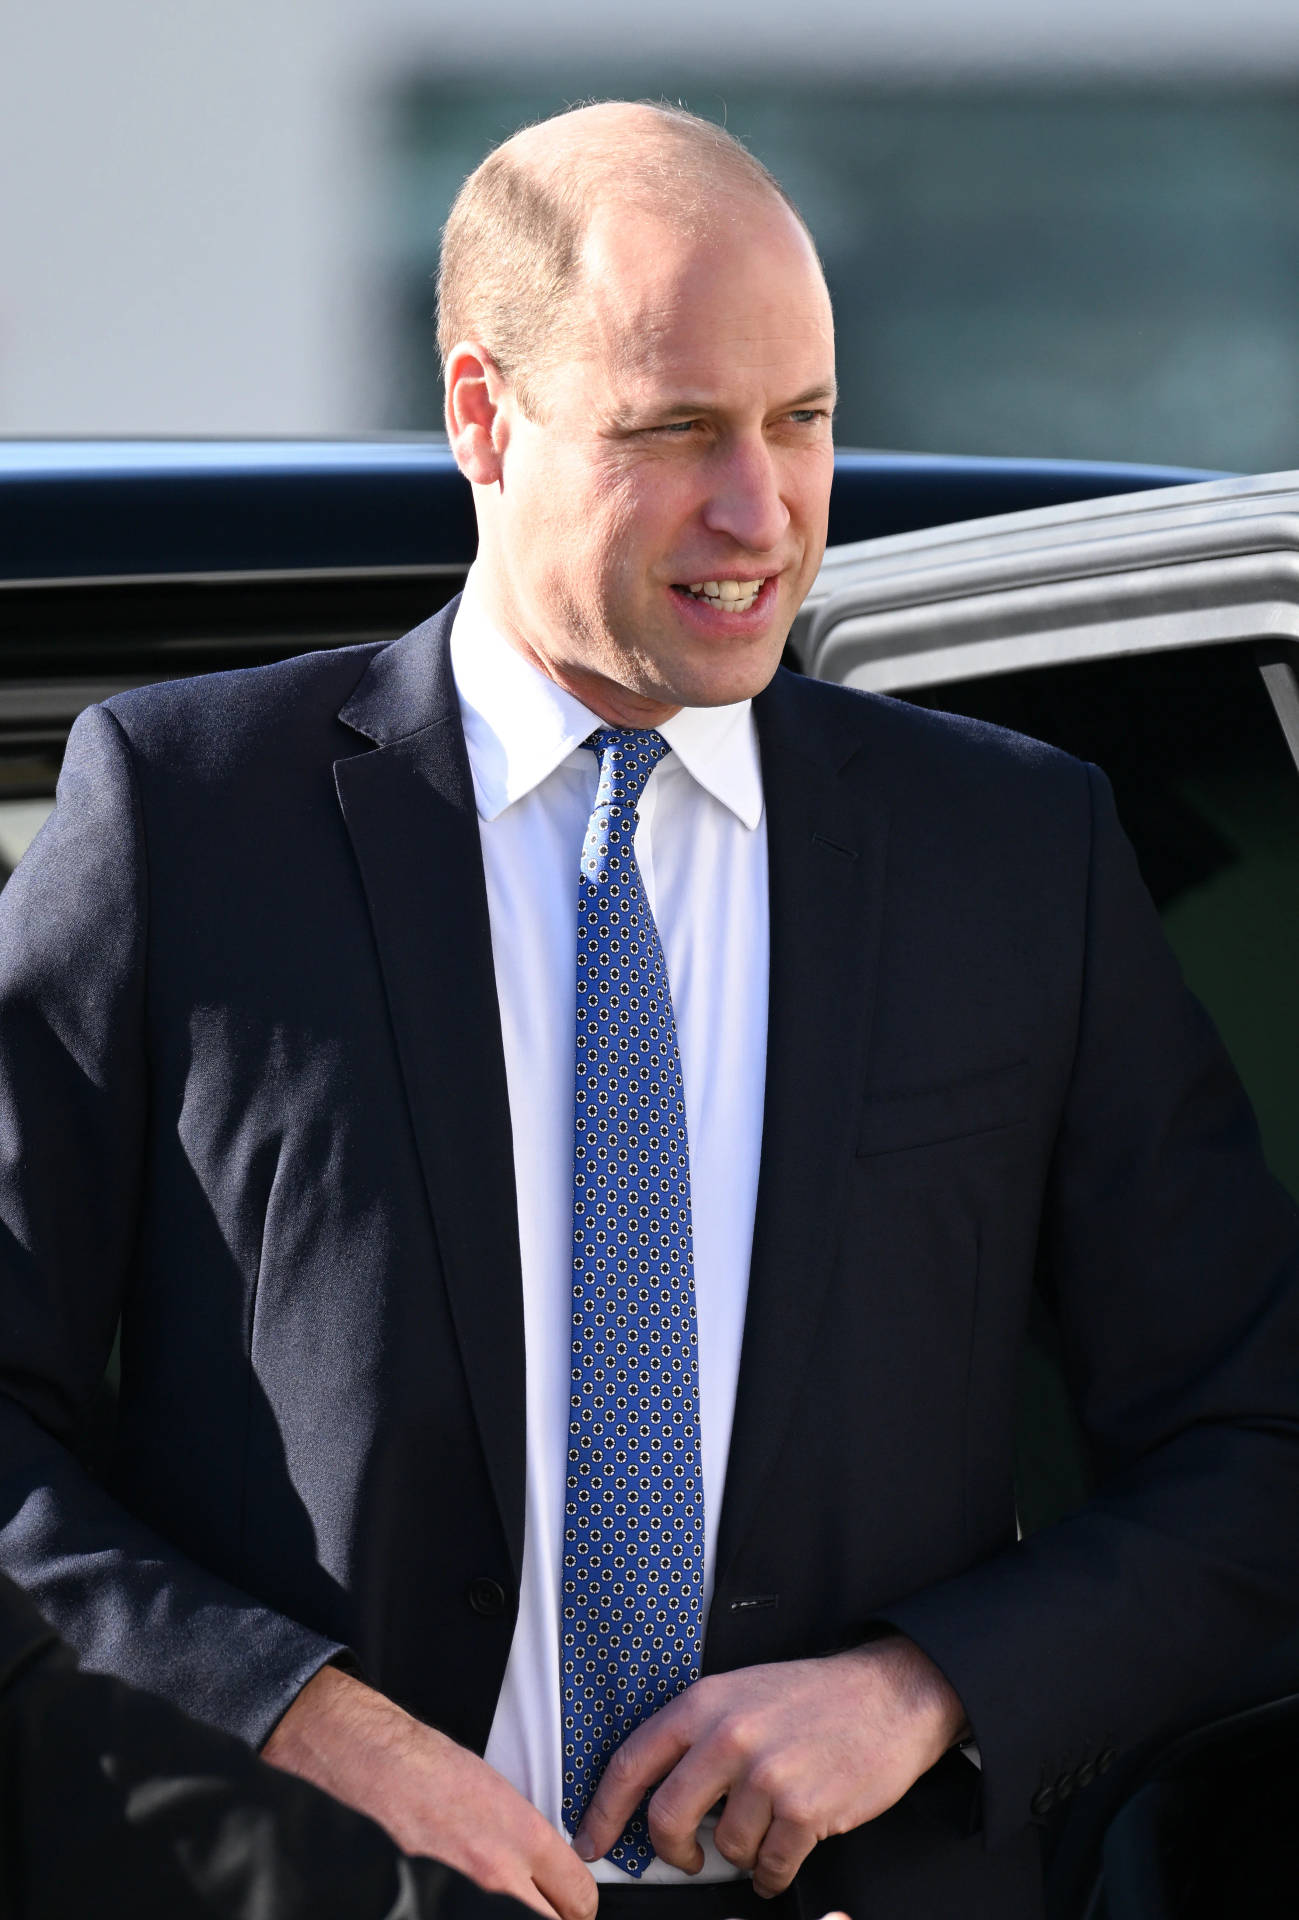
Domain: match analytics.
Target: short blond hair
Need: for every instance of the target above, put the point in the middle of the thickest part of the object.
(512, 243)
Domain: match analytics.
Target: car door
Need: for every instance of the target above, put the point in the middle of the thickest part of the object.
(1157, 636)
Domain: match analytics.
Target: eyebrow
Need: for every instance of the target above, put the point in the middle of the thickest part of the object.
(687, 409)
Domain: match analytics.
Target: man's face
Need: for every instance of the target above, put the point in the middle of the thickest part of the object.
(683, 444)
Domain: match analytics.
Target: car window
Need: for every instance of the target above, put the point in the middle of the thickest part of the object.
(70, 643)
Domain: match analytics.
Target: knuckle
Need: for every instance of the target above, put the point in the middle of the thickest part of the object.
(621, 1769)
(489, 1868)
(738, 1736)
(664, 1816)
(535, 1834)
(800, 1809)
(769, 1777)
(734, 1851)
(780, 1859)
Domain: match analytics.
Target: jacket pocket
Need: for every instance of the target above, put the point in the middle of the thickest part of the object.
(983, 1101)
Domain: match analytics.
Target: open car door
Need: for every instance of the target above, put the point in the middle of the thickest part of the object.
(1158, 636)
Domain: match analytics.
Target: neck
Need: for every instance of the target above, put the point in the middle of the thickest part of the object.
(617, 706)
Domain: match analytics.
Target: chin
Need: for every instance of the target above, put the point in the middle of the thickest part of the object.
(691, 677)
(715, 690)
(720, 683)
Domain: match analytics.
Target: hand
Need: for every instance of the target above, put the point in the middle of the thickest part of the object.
(431, 1796)
(800, 1750)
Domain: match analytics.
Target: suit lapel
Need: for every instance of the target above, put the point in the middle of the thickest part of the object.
(409, 809)
(826, 856)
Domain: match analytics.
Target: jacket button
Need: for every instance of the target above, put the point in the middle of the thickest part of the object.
(1105, 1760)
(1086, 1773)
(487, 1597)
(1064, 1786)
(1043, 1800)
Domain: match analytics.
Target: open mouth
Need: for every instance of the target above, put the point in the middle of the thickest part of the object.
(730, 596)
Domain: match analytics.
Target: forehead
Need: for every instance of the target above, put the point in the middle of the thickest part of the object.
(733, 300)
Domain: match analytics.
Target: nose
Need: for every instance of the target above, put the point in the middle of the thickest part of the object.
(744, 499)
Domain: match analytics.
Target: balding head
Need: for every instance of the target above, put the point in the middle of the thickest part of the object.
(513, 245)
(639, 370)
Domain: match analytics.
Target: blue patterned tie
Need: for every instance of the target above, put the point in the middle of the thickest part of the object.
(634, 1505)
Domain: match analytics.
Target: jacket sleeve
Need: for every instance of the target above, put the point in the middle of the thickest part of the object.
(1171, 1257)
(112, 1800)
(73, 1121)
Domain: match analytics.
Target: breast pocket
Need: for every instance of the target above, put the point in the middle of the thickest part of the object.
(985, 1100)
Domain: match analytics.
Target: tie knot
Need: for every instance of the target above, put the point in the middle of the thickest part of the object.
(628, 757)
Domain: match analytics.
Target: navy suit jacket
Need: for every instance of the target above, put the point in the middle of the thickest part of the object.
(252, 1099)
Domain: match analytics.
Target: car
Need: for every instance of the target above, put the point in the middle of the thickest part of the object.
(1145, 618)
(125, 562)
(1156, 634)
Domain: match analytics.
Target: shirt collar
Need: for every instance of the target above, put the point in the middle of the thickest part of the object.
(519, 726)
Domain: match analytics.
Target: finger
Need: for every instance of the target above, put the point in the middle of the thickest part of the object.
(696, 1783)
(633, 1768)
(531, 1896)
(783, 1851)
(563, 1883)
(743, 1825)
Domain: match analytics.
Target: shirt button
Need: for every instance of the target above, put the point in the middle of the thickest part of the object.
(487, 1597)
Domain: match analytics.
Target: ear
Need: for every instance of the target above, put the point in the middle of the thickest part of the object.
(476, 415)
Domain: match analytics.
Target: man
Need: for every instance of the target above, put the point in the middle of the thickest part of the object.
(110, 1796)
(870, 1026)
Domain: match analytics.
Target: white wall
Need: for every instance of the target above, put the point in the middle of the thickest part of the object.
(883, 36)
(175, 221)
(187, 187)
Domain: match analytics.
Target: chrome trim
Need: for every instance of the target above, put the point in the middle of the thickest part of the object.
(1189, 566)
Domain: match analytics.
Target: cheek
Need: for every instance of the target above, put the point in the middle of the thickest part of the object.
(652, 507)
(582, 542)
(809, 495)
(616, 533)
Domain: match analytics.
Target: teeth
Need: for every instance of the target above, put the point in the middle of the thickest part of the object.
(737, 596)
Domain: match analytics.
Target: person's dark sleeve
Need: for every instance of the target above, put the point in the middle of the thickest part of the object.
(111, 1801)
(73, 1121)
(1172, 1258)
(109, 1796)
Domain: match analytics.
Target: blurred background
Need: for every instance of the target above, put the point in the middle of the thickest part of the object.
(1068, 231)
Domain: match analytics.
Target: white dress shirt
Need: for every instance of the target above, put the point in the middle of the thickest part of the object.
(702, 849)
